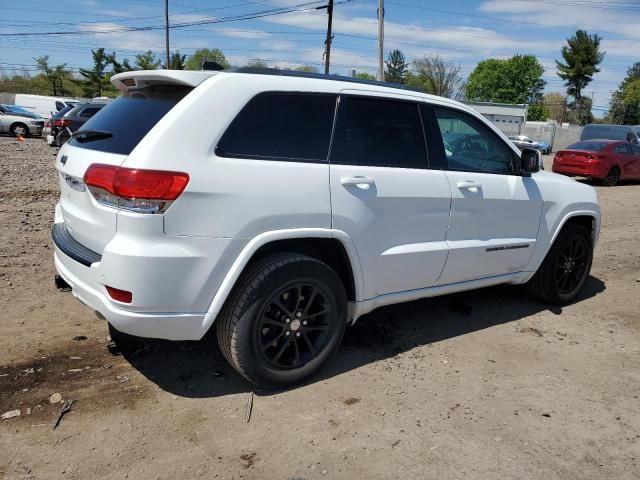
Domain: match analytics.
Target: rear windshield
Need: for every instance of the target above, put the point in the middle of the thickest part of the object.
(589, 146)
(130, 117)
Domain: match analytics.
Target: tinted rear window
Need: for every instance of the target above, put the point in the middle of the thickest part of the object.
(130, 117)
(281, 126)
(589, 146)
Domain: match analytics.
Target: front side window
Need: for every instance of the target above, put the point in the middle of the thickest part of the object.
(378, 133)
(635, 149)
(470, 146)
(281, 126)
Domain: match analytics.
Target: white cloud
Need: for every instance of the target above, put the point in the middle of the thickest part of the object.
(247, 34)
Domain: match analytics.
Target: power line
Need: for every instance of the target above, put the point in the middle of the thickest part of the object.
(301, 7)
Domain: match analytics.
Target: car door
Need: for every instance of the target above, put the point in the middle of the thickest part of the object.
(625, 160)
(386, 194)
(495, 212)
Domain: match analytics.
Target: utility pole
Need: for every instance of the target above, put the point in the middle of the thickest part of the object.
(381, 40)
(327, 42)
(166, 32)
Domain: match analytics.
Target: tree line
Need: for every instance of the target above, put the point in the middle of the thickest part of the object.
(517, 79)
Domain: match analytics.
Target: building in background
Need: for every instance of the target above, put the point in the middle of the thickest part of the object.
(509, 118)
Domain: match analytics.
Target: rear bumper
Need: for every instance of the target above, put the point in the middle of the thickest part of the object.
(172, 278)
(592, 170)
(169, 326)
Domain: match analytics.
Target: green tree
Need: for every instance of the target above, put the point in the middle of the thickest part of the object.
(306, 68)
(206, 54)
(365, 76)
(147, 61)
(624, 109)
(436, 76)
(514, 80)
(177, 61)
(581, 56)
(538, 112)
(119, 67)
(397, 67)
(96, 78)
(55, 75)
(555, 103)
(580, 111)
(256, 63)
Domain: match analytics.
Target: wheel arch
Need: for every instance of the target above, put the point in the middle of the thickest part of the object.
(16, 123)
(333, 247)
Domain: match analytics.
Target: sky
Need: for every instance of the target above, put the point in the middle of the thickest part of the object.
(461, 31)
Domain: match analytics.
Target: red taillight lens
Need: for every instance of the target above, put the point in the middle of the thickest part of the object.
(119, 295)
(147, 191)
(62, 122)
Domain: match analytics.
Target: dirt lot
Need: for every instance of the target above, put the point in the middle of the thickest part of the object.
(479, 385)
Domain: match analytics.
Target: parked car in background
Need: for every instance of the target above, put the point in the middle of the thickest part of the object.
(606, 160)
(522, 141)
(17, 110)
(21, 124)
(50, 130)
(629, 133)
(301, 204)
(43, 105)
(64, 126)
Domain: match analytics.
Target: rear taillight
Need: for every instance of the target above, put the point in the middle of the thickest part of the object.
(62, 122)
(142, 191)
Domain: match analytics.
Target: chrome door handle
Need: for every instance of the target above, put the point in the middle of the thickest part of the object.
(468, 185)
(360, 182)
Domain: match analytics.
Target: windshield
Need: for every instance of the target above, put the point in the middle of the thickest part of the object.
(589, 146)
(126, 120)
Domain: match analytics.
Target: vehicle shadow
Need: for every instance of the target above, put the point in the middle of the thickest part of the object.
(198, 369)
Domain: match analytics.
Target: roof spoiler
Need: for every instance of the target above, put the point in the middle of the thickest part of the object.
(142, 78)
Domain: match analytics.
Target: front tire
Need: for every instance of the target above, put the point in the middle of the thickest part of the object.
(565, 269)
(19, 130)
(283, 320)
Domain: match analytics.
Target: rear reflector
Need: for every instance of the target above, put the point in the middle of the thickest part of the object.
(144, 191)
(119, 295)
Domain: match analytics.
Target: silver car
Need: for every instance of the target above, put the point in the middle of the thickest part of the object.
(522, 141)
(18, 124)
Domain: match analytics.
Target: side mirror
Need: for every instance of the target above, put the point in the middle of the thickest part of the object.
(529, 161)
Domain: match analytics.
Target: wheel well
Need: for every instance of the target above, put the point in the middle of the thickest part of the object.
(327, 250)
(585, 221)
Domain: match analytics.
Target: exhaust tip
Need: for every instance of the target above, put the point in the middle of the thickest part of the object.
(61, 284)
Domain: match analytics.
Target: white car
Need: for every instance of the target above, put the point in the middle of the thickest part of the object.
(280, 207)
(20, 124)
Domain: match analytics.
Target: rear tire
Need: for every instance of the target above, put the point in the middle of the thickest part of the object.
(565, 269)
(612, 178)
(283, 320)
(19, 130)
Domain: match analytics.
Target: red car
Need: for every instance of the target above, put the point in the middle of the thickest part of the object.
(607, 160)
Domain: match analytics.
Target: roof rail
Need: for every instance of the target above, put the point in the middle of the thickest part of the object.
(321, 76)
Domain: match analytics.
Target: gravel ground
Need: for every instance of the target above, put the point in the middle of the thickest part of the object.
(485, 384)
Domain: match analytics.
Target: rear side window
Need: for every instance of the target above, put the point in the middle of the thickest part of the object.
(378, 133)
(130, 117)
(622, 148)
(589, 146)
(89, 112)
(281, 126)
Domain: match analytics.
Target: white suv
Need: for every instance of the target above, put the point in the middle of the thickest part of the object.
(282, 206)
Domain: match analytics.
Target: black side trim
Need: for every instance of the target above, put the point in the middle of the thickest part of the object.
(507, 247)
(71, 247)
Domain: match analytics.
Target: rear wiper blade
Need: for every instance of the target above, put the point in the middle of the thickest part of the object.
(89, 135)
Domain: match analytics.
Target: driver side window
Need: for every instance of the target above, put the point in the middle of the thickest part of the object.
(470, 146)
